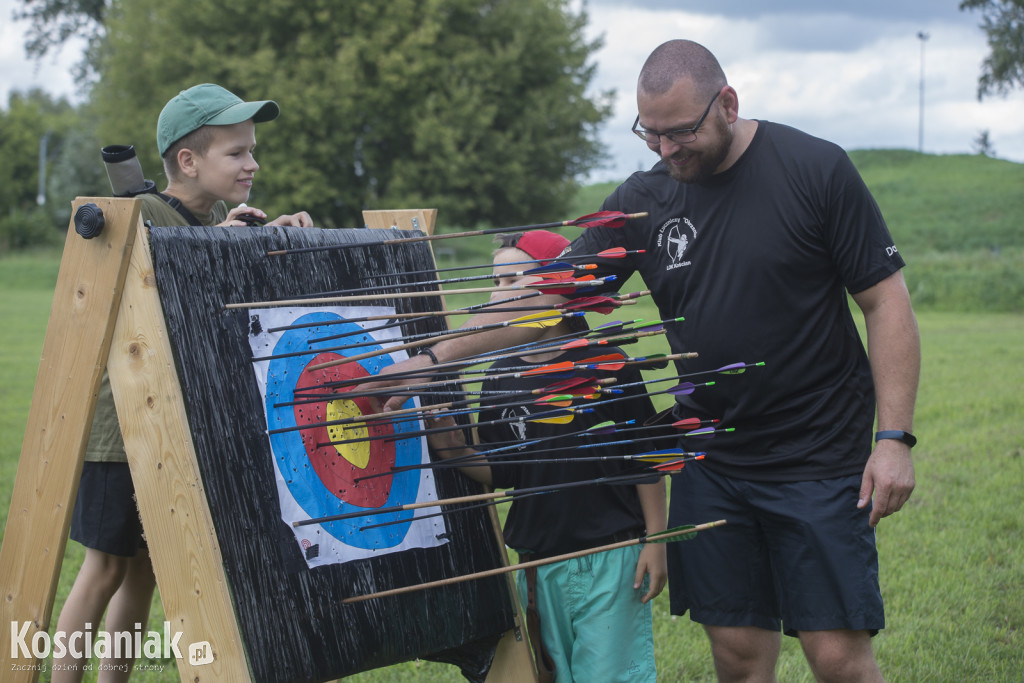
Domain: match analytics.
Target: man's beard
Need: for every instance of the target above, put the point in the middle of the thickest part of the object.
(703, 164)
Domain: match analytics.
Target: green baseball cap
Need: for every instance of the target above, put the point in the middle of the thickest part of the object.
(207, 105)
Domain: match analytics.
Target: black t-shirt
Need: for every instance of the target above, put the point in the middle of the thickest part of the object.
(759, 260)
(578, 517)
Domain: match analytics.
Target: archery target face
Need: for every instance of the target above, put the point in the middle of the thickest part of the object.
(318, 464)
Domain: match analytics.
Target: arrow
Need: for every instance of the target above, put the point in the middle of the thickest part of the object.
(668, 467)
(561, 287)
(504, 446)
(553, 270)
(608, 219)
(658, 457)
(596, 304)
(418, 412)
(661, 537)
(404, 316)
(600, 304)
(560, 416)
(566, 385)
(613, 253)
(617, 479)
(698, 433)
(458, 365)
(537, 321)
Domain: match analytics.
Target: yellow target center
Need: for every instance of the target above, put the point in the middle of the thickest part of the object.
(356, 453)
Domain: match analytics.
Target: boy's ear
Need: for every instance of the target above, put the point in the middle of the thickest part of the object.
(187, 162)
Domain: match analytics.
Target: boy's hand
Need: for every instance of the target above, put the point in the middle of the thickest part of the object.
(243, 215)
(654, 563)
(447, 444)
(296, 220)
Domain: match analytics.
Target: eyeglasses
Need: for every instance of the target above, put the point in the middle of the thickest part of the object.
(680, 136)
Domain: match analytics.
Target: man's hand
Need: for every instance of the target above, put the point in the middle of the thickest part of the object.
(889, 476)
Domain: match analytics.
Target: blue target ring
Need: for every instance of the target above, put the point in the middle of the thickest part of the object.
(293, 460)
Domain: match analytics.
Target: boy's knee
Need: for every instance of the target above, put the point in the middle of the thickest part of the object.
(104, 571)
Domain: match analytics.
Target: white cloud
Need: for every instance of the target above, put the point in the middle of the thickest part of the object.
(17, 72)
(850, 79)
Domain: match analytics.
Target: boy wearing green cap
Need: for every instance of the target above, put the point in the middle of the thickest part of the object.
(206, 137)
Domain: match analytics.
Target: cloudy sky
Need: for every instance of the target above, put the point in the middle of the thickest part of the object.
(848, 72)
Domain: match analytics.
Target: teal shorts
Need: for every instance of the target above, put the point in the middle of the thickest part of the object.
(592, 621)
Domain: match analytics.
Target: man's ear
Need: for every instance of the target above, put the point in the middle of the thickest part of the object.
(187, 162)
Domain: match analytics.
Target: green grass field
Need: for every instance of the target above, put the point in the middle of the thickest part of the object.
(951, 562)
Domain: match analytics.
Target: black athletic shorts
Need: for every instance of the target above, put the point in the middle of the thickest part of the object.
(106, 517)
(798, 555)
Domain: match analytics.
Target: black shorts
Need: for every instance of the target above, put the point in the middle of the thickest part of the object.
(106, 517)
(793, 554)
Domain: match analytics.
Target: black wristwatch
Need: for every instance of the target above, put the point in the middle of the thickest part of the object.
(898, 434)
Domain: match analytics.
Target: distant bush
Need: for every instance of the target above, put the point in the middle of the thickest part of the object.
(22, 229)
(990, 281)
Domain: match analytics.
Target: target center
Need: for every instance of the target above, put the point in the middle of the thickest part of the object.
(356, 453)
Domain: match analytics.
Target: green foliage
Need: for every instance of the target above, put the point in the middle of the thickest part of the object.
(1003, 24)
(35, 122)
(29, 119)
(475, 107)
(52, 22)
(25, 228)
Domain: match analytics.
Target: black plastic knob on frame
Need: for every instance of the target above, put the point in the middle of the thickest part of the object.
(89, 220)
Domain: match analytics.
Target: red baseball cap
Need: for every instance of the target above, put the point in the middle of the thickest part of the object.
(542, 245)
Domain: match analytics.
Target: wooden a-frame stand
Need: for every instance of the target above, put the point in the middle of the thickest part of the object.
(106, 315)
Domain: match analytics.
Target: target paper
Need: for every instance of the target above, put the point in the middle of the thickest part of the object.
(317, 465)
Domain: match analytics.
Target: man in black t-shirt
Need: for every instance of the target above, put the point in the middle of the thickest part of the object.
(757, 234)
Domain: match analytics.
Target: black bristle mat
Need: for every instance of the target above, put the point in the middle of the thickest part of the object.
(290, 616)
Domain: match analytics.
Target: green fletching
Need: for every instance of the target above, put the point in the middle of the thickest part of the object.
(679, 533)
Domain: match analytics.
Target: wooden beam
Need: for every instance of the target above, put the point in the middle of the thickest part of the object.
(85, 304)
(172, 503)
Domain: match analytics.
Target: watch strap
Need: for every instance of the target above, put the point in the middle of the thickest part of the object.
(898, 435)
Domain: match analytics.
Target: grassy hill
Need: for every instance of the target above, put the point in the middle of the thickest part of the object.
(946, 203)
(958, 221)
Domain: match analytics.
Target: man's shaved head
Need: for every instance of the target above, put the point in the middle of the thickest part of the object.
(678, 59)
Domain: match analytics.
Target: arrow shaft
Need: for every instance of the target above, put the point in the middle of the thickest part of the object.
(567, 286)
(474, 498)
(535, 563)
(592, 220)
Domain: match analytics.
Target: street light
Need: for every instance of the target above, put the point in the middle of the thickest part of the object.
(923, 37)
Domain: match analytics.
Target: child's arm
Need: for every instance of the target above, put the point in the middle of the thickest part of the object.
(653, 560)
(452, 443)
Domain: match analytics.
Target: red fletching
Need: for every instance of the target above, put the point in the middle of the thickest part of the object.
(598, 304)
(607, 219)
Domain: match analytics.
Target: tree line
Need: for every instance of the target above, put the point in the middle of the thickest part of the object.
(479, 108)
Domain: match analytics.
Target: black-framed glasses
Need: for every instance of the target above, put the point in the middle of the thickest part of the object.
(680, 136)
